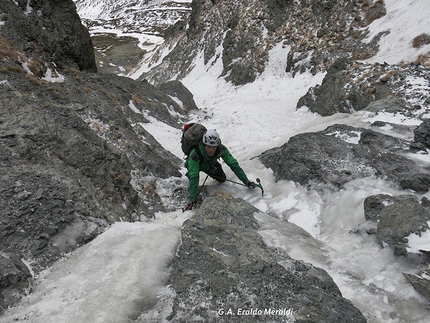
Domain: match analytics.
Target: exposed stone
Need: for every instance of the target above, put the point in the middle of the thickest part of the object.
(343, 153)
(400, 219)
(14, 279)
(178, 90)
(422, 133)
(328, 98)
(223, 263)
(374, 204)
(248, 29)
(421, 282)
(390, 104)
(349, 87)
(50, 30)
(75, 156)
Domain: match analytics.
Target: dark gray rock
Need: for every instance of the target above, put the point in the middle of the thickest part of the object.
(397, 217)
(349, 87)
(374, 204)
(178, 90)
(68, 155)
(50, 32)
(328, 98)
(14, 279)
(390, 104)
(421, 282)
(223, 263)
(317, 157)
(400, 219)
(343, 153)
(422, 133)
(74, 154)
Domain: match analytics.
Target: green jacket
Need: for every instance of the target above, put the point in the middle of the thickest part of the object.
(207, 163)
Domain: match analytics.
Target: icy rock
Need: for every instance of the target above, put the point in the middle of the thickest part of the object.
(400, 219)
(421, 282)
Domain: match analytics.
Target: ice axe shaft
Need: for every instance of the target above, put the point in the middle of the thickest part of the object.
(258, 181)
(195, 200)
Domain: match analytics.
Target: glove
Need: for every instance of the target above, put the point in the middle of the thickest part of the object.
(190, 206)
(251, 185)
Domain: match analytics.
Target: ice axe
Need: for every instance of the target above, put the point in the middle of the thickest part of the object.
(260, 186)
(256, 185)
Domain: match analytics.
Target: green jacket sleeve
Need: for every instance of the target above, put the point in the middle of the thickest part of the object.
(193, 175)
(234, 166)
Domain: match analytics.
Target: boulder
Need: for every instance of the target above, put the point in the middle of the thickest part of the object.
(422, 133)
(374, 204)
(348, 87)
(400, 219)
(389, 104)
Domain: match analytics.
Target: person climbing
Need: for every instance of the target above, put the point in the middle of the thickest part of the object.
(204, 158)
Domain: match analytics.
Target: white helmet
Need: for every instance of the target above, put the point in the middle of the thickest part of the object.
(211, 138)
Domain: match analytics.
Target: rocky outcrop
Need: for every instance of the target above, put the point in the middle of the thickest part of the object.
(349, 87)
(401, 219)
(177, 90)
(331, 158)
(343, 153)
(76, 157)
(421, 282)
(49, 32)
(396, 219)
(224, 272)
(422, 134)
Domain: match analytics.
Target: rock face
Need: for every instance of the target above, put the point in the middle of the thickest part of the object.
(223, 271)
(75, 156)
(317, 34)
(49, 31)
(177, 90)
(70, 152)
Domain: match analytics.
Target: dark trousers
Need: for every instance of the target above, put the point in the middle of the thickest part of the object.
(217, 173)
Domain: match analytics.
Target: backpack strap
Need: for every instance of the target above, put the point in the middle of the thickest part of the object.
(197, 155)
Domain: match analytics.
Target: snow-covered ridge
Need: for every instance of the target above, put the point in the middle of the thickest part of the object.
(136, 16)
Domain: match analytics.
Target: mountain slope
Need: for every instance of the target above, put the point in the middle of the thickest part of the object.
(241, 34)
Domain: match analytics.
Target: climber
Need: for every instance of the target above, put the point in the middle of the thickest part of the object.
(204, 158)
